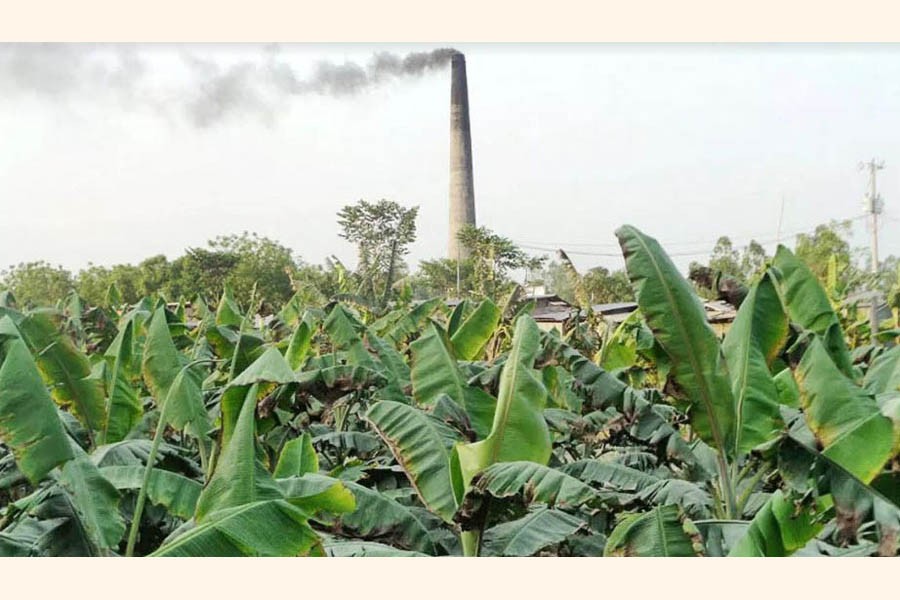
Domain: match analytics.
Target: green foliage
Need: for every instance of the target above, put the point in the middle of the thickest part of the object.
(492, 257)
(382, 232)
(37, 283)
(130, 426)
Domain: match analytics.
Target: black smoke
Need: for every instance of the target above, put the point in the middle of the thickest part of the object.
(211, 92)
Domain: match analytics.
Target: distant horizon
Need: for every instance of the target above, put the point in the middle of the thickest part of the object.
(687, 142)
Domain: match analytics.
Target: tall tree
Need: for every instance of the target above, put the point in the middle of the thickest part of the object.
(382, 232)
(816, 249)
(493, 257)
(725, 258)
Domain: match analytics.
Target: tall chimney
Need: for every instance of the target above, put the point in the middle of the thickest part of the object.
(462, 187)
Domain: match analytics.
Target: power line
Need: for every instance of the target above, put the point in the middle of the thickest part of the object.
(554, 246)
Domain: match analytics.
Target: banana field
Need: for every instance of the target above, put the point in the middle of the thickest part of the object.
(161, 429)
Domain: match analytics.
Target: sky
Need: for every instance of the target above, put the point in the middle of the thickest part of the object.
(114, 154)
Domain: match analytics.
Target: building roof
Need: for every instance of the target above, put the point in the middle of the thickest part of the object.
(717, 311)
(614, 307)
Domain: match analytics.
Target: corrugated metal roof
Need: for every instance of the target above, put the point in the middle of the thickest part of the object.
(614, 307)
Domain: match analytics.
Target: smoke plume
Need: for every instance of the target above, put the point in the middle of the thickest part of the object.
(210, 92)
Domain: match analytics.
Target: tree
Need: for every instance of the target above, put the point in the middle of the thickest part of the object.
(439, 277)
(382, 232)
(601, 285)
(725, 258)
(826, 241)
(202, 272)
(37, 283)
(753, 260)
(93, 282)
(154, 275)
(492, 257)
(242, 261)
(729, 271)
(261, 262)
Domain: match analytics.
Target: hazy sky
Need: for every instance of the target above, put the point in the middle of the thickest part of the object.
(102, 164)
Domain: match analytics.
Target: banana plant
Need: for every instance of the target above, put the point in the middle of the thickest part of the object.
(729, 390)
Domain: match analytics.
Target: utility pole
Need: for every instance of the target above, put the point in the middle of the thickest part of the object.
(874, 206)
(780, 219)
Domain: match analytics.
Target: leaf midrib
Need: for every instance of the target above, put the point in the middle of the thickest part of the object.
(676, 312)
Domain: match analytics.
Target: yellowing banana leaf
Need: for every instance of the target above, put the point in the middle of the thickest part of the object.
(297, 458)
(65, 369)
(844, 417)
(808, 305)
(29, 424)
(316, 494)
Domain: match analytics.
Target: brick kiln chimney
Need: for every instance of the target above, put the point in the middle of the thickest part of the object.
(462, 188)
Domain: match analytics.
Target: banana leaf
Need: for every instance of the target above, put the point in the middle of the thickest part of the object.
(379, 518)
(238, 479)
(808, 305)
(530, 534)
(844, 417)
(124, 405)
(29, 424)
(65, 369)
(754, 340)
(297, 458)
(435, 372)
(519, 431)
(783, 525)
(421, 444)
(884, 372)
(474, 333)
(533, 482)
(354, 549)
(262, 528)
(659, 532)
(173, 491)
(679, 323)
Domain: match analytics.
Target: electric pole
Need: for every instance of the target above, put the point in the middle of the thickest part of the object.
(780, 219)
(874, 206)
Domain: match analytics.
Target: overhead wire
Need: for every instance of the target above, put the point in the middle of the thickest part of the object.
(554, 246)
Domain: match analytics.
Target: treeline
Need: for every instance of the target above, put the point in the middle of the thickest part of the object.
(270, 273)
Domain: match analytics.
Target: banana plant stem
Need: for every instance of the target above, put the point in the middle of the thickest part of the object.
(142, 495)
(151, 460)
